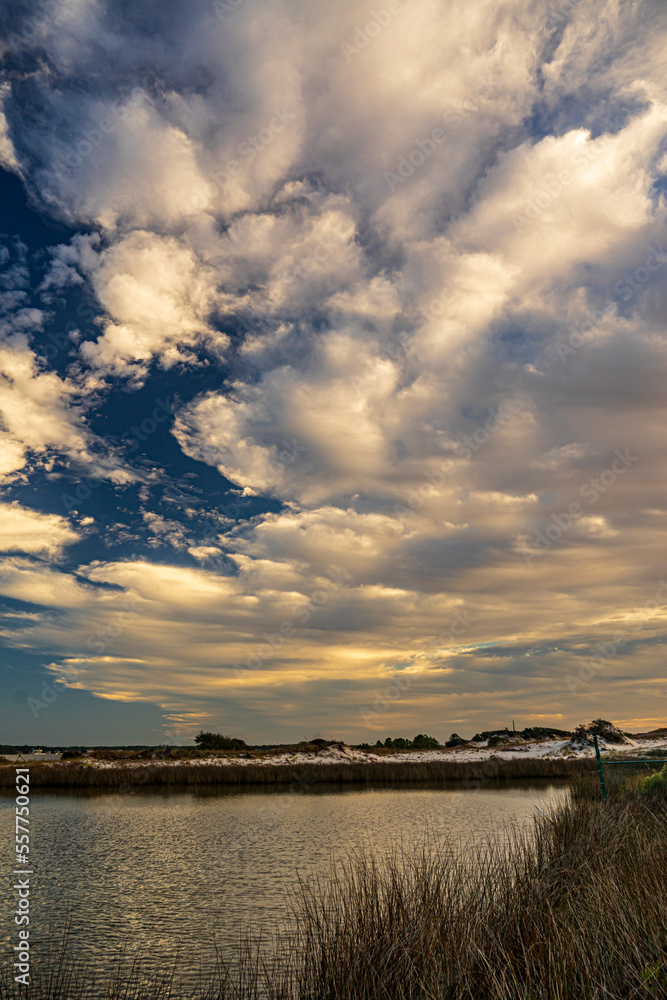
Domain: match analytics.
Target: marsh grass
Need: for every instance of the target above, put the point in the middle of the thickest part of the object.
(75, 774)
(577, 909)
(573, 909)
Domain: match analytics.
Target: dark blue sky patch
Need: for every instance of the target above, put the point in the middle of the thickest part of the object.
(586, 109)
(17, 217)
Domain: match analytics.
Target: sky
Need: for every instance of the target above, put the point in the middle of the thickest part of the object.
(332, 367)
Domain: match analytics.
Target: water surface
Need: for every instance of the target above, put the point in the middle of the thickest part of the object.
(160, 868)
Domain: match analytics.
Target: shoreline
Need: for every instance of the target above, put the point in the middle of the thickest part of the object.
(332, 764)
(131, 777)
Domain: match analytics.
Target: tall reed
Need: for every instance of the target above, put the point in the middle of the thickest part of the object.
(577, 909)
(77, 775)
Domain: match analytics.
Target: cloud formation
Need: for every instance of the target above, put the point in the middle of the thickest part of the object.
(406, 270)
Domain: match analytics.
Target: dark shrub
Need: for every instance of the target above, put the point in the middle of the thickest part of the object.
(545, 732)
(215, 741)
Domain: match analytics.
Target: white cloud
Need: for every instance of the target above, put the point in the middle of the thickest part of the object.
(310, 437)
(548, 207)
(28, 531)
(42, 415)
(7, 153)
(157, 299)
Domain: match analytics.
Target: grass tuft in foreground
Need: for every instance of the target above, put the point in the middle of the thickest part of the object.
(577, 911)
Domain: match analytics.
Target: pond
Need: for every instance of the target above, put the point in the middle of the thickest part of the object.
(163, 871)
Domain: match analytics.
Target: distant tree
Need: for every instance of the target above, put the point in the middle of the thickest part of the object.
(379, 743)
(455, 740)
(215, 741)
(424, 742)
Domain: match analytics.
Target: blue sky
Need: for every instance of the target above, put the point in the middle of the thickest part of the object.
(332, 357)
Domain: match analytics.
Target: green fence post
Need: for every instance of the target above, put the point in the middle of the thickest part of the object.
(600, 769)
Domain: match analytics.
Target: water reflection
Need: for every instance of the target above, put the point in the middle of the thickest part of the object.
(160, 868)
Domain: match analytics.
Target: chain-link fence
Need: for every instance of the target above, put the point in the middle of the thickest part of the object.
(620, 774)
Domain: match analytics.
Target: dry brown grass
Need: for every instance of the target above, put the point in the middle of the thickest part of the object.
(77, 774)
(577, 911)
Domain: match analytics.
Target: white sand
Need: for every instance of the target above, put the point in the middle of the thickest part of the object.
(545, 749)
